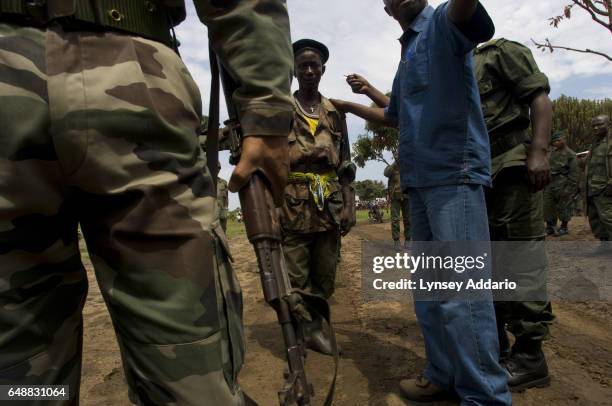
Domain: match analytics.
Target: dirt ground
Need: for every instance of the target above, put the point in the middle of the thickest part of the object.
(381, 341)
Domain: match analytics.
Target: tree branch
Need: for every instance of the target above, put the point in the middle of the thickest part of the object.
(590, 8)
(552, 47)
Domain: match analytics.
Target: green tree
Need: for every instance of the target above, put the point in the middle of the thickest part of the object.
(574, 115)
(370, 189)
(372, 145)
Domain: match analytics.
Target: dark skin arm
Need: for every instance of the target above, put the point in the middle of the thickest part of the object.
(374, 114)
(538, 169)
(360, 85)
(462, 11)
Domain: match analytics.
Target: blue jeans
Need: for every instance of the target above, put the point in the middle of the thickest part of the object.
(460, 336)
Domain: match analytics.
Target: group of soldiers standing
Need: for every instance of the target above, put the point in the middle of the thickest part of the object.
(99, 112)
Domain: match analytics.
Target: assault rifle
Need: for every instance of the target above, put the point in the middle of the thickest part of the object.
(263, 231)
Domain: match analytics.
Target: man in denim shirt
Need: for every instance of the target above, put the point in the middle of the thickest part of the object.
(445, 163)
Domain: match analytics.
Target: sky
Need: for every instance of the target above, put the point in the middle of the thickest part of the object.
(362, 39)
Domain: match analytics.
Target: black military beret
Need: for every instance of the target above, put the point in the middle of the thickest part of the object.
(557, 135)
(311, 44)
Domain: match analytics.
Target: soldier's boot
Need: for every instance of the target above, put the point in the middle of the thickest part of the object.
(550, 228)
(563, 230)
(526, 367)
(396, 245)
(407, 244)
(316, 338)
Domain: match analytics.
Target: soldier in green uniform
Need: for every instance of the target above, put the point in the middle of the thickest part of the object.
(400, 205)
(559, 194)
(319, 205)
(598, 180)
(512, 89)
(99, 128)
(222, 201)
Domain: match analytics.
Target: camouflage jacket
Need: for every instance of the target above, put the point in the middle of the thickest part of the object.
(252, 39)
(508, 79)
(326, 151)
(393, 185)
(222, 198)
(598, 170)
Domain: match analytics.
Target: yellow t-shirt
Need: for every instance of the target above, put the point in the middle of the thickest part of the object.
(312, 123)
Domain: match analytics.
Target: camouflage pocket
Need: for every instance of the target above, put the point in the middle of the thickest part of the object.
(229, 306)
(334, 203)
(296, 208)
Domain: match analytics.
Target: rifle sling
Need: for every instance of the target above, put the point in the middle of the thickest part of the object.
(212, 132)
(321, 306)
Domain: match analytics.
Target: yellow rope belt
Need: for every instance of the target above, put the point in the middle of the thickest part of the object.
(318, 184)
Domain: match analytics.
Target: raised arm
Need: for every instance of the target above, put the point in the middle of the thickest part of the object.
(462, 11)
(360, 85)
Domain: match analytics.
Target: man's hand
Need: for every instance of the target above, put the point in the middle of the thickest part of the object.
(270, 156)
(358, 83)
(538, 169)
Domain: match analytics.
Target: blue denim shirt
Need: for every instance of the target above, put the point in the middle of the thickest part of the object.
(435, 100)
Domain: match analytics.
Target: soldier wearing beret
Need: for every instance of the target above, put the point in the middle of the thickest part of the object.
(319, 203)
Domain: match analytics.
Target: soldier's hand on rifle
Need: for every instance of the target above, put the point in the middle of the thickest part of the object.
(538, 169)
(270, 156)
(358, 83)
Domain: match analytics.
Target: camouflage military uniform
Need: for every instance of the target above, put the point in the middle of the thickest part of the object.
(222, 202)
(311, 229)
(598, 177)
(99, 128)
(508, 78)
(559, 194)
(400, 203)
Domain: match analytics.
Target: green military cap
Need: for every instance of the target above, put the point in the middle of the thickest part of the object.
(557, 135)
(303, 44)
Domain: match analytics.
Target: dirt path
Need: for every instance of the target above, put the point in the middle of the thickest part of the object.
(381, 341)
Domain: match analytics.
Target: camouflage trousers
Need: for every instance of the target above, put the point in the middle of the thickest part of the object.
(599, 210)
(516, 214)
(558, 201)
(312, 260)
(99, 129)
(400, 210)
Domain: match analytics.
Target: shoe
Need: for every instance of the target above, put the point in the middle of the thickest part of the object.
(526, 367)
(317, 339)
(561, 231)
(407, 244)
(396, 245)
(422, 389)
(550, 230)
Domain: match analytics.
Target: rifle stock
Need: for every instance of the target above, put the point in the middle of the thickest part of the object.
(263, 232)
